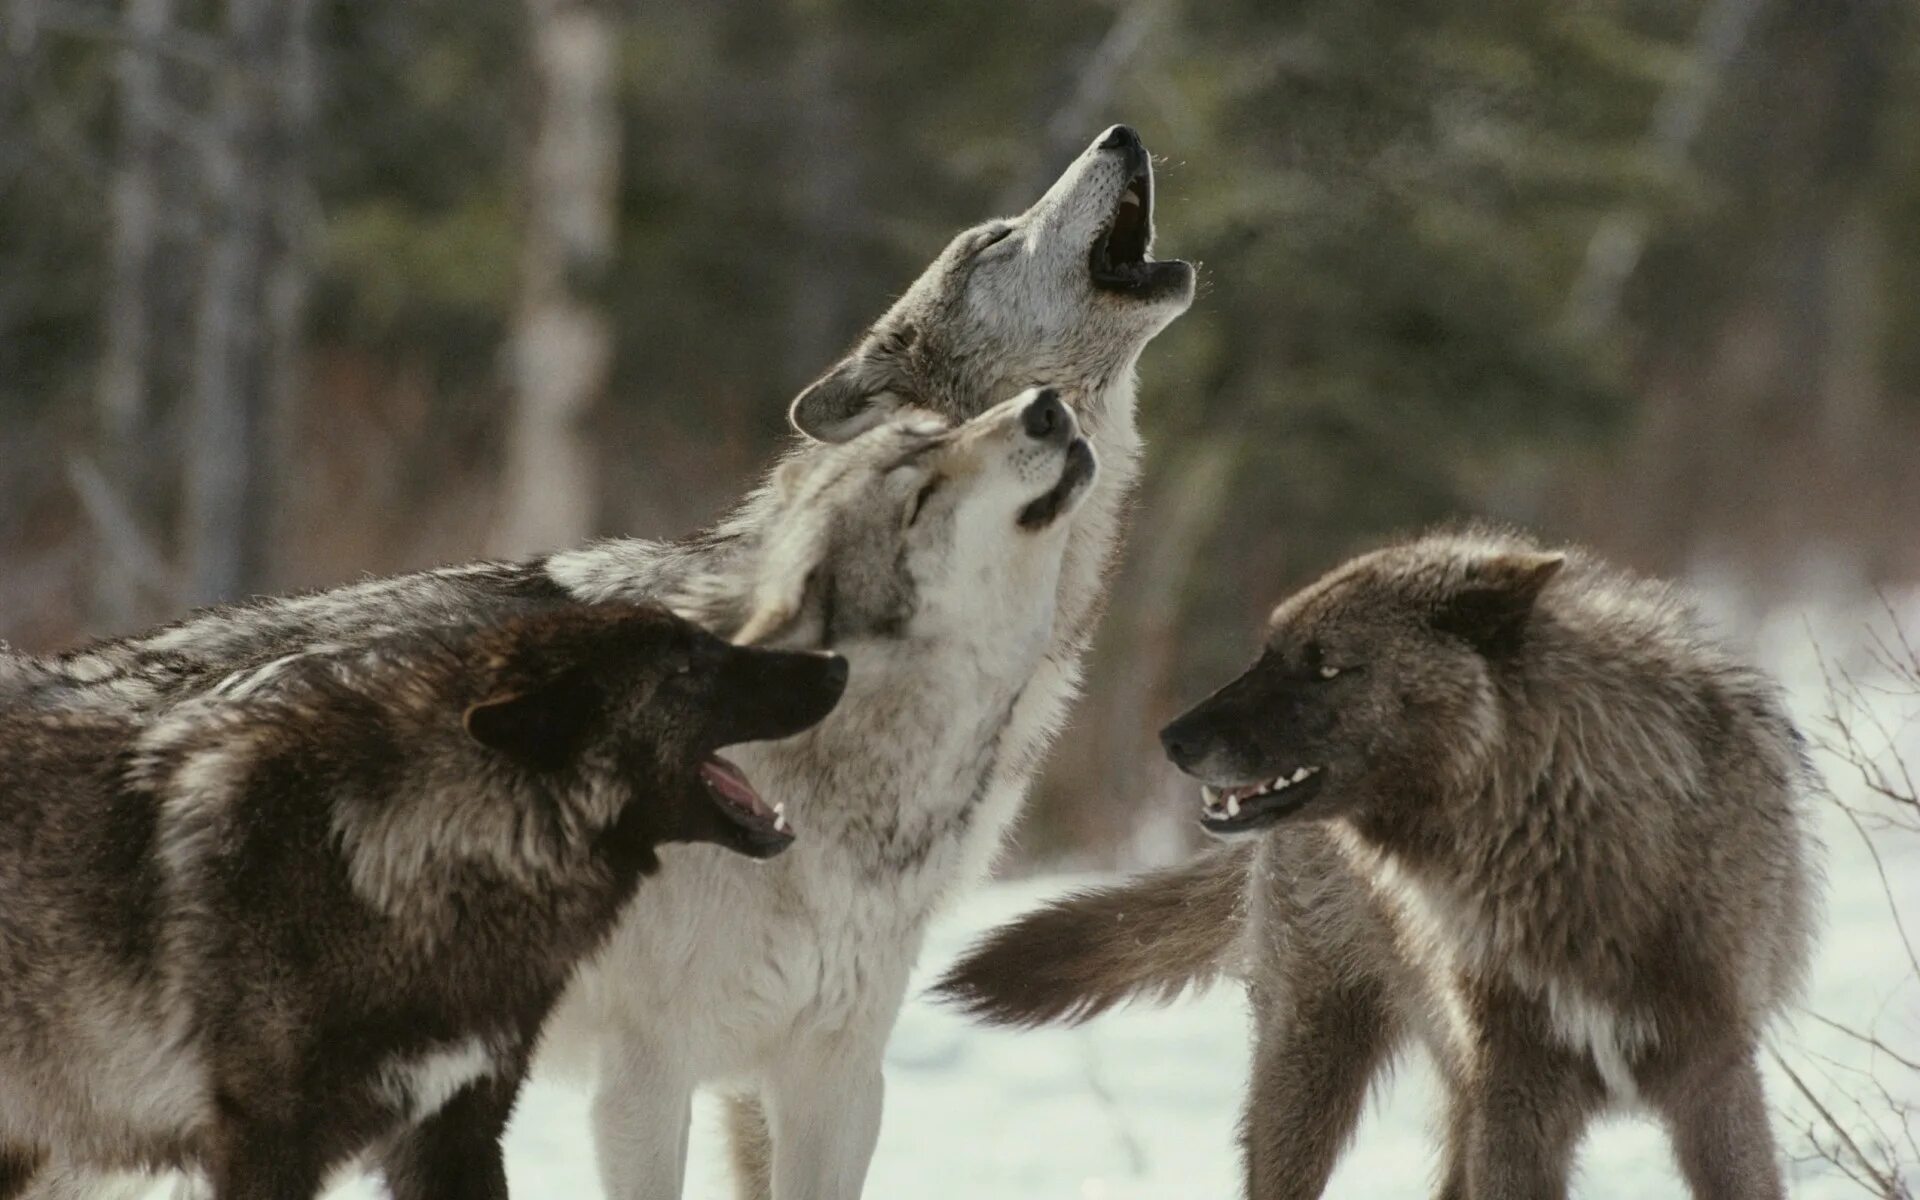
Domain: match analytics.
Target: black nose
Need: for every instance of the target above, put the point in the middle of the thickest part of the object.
(1182, 747)
(837, 674)
(1045, 418)
(1120, 137)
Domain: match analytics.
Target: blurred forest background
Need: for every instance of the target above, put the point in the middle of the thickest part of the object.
(292, 291)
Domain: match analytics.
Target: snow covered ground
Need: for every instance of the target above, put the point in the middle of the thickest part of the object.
(1142, 1103)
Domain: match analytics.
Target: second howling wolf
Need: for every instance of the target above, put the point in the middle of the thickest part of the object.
(1515, 805)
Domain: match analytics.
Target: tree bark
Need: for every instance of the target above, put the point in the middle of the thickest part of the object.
(561, 343)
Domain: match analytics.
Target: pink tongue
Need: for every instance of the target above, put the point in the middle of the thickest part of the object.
(726, 779)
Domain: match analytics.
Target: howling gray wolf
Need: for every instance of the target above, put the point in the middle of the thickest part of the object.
(1516, 805)
(323, 909)
(1066, 292)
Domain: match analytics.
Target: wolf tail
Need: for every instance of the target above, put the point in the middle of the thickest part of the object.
(1153, 936)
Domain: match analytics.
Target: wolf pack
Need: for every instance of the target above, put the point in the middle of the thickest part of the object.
(309, 885)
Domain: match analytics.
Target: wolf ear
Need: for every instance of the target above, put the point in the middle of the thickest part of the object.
(789, 581)
(542, 726)
(844, 403)
(1490, 605)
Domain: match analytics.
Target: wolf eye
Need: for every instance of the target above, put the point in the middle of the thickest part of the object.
(920, 501)
(1315, 660)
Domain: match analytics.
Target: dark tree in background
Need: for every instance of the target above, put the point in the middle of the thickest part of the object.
(133, 301)
(294, 291)
(561, 344)
(249, 318)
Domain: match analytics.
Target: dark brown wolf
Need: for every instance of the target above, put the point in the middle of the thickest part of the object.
(1511, 803)
(323, 910)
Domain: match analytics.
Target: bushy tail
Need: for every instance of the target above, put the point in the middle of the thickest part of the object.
(1074, 959)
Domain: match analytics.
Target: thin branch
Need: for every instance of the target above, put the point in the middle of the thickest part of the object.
(1882, 1183)
(1863, 1038)
(1886, 887)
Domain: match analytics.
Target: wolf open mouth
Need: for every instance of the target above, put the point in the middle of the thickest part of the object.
(1255, 805)
(1118, 261)
(1044, 509)
(736, 798)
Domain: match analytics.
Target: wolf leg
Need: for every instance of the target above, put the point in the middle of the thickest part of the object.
(1522, 1141)
(455, 1154)
(751, 1144)
(1721, 1135)
(1529, 1101)
(260, 1161)
(1312, 1065)
(18, 1165)
(824, 1111)
(641, 1115)
(1459, 1143)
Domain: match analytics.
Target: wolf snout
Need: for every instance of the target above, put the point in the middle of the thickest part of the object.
(1046, 419)
(1123, 141)
(817, 684)
(1187, 746)
(778, 693)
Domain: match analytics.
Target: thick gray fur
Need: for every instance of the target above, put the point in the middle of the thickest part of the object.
(1547, 827)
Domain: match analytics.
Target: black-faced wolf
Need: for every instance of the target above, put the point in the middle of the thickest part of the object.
(323, 910)
(1511, 803)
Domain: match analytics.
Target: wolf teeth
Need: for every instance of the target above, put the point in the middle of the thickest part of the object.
(1226, 805)
(780, 818)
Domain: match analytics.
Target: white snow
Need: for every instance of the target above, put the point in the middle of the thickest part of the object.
(1143, 1103)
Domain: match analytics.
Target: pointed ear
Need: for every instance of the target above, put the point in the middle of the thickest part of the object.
(541, 726)
(1491, 604)
(845, 402)
(789, 581)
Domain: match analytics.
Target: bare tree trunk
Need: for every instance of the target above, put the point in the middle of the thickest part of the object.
(1086, 108)
(1613, 253)
(124, 398)
(823, 151)
(1741, 397)
(561, 342)
(231, 482)
(289, 276)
